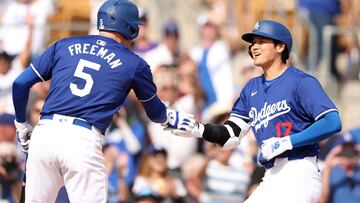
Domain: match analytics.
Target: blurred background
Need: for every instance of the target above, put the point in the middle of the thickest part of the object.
(200, 65)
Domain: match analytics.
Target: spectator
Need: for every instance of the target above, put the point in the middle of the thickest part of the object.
(167, 53)
(214, 67)
(191, 178)
(142, 44)
(322, 13)
(9, 70)
(341, 174)
(223, 182)
(167, 82)
(123, 150)
(349, 18)
(117, 188)
(10, 185)
(189, 87)
(15, 17)
(153, 179)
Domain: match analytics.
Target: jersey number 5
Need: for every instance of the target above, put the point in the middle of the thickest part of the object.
(286, 125)
(79, 72)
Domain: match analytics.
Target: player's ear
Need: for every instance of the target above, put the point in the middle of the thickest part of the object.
(280, 47)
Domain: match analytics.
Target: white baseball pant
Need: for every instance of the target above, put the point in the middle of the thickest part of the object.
(296, 181)
(61, 152)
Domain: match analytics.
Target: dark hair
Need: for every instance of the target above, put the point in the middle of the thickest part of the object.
(284, 54)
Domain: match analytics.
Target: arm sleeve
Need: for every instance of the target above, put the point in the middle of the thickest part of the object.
(155, 110)
(145, 91)
(20, 92)
(320, 130)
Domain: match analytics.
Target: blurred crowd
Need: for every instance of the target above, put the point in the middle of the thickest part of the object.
(143, 162)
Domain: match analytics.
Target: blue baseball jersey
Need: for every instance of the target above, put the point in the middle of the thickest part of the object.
(290, 104)
(90, 78)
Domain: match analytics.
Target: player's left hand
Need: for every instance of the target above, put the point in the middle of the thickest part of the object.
(274, 146)
(178, 120)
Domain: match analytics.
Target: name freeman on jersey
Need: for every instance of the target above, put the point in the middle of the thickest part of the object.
(95, 50)
(267, 113)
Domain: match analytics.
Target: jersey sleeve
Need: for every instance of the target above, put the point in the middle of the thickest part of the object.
(143, 84)
(43, 64)
(241, 107)
(312, 99)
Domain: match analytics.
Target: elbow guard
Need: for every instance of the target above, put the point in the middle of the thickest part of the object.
(228, 136)
(234, 138)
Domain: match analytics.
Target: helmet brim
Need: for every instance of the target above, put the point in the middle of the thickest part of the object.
(249, 37)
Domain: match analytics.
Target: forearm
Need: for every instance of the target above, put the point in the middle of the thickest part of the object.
(155, 110)
(318, 131)
(227, 135)
(20, 92)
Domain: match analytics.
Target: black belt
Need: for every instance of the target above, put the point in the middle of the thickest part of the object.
(76, 121)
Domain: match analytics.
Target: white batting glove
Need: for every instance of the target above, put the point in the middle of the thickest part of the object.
(178, 120)
(275, 146)
(23, 133)
(192, 130)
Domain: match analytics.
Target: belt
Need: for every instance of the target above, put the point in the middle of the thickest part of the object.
(76, 121)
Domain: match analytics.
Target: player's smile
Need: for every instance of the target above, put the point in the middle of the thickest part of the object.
(263, 51)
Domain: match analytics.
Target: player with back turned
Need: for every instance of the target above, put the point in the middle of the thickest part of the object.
(90, 79)
(289, 113)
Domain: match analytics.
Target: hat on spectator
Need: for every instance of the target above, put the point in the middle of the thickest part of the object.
(171, 29)
(7, 119)
(154, 151)
(349, 148)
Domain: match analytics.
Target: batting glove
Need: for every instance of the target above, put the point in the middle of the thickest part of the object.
(192, 130)
(178, 120)
(275, 146)
(23, 133)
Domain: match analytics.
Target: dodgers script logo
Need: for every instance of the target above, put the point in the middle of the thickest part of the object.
(267, 113)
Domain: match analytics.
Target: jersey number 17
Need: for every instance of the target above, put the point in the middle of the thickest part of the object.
(282, 125)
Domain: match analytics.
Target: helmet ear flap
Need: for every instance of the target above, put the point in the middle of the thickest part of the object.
(132, 31)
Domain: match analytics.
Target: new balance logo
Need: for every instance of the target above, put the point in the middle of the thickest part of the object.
(253, 93)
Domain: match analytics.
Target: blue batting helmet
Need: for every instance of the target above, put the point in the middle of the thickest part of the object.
(270, 29)
(120, 16)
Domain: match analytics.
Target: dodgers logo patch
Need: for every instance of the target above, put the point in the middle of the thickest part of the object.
(267, 113)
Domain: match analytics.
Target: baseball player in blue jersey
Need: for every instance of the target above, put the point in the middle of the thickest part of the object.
(289, 113)
(90, 79)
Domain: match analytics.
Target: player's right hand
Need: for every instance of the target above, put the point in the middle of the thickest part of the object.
(178, 120)
(23, 133)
